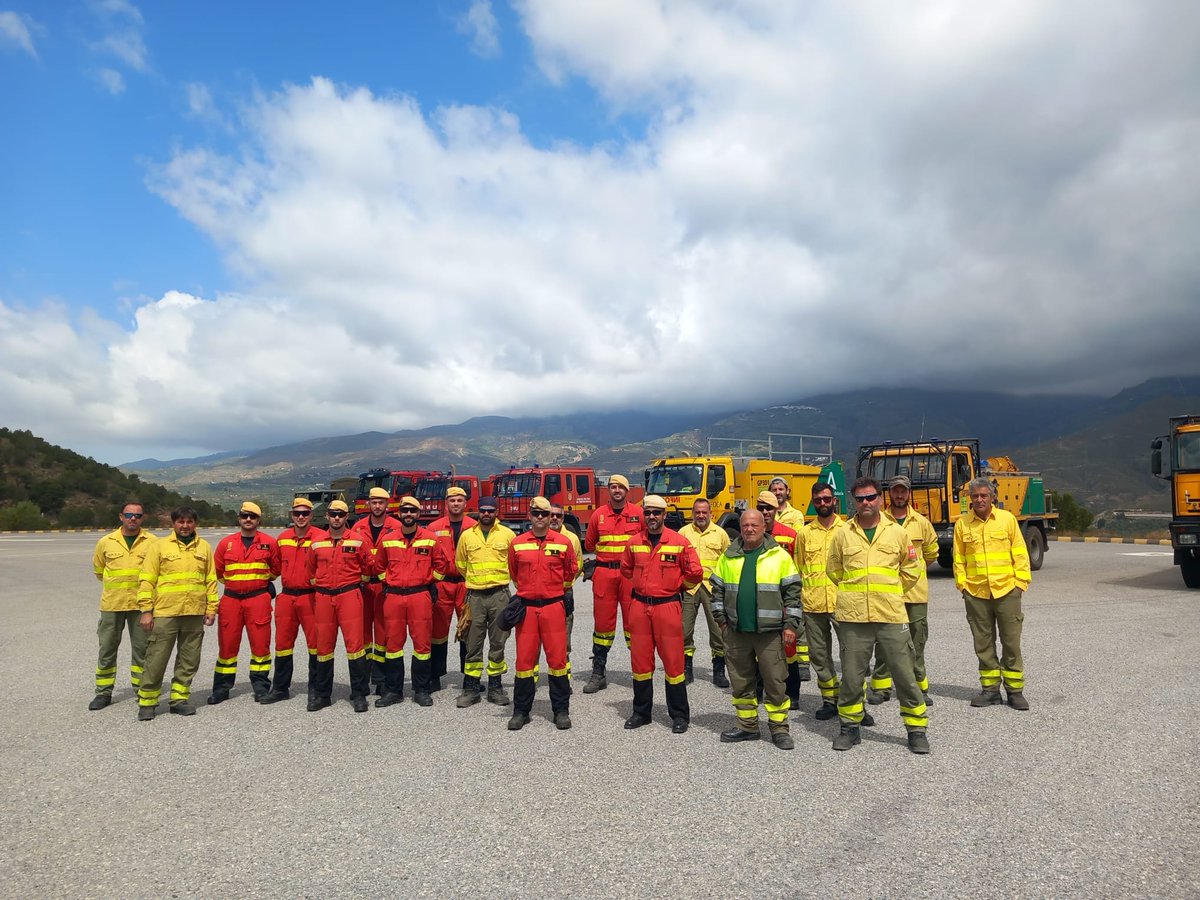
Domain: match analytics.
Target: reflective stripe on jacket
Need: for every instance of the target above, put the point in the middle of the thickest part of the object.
(542, 569)
(117, 568)
(872, 576)
(777, 587)
(409, 562)
(608, 532)
(293, 557)
(924, 539)
(812, 549)
(990, 557)
(660, 570)
(482, 561)
(445, 537)
(709, 543)
(178, 579)
(247, 569)
(337, 562)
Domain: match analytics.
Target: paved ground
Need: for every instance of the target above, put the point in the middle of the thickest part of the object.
(1092, 793)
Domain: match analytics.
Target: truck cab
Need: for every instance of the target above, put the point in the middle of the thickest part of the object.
(398, 484)
(431, 490)
(1180, 450)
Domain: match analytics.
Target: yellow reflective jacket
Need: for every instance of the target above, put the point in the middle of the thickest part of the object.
(790, 516)
(482, 561)
(812, 549)
(710, 544)
(776, 580)
(872, 576)
(116, 566)
(990, 557)
(924, 538)
(578, 548)
(178, 580)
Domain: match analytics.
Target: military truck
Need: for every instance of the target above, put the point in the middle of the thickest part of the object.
(940, 470)
(1182, 446)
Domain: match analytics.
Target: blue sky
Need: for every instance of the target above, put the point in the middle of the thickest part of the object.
(231, 225)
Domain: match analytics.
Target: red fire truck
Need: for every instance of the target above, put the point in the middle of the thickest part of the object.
(575, 488)
(398, 483)
(431, 491)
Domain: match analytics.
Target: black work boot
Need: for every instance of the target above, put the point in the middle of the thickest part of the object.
(688, 672)
(470, 692)
(420, 680)
(282, 682)
(1016, 699)
(496, 693)
(987, 697)
(847, 737)
(827, 711)
(793, 684)
(918, 742)
(221, 685)
(643, 702)
(598, 681)
(719, 678)
(100, 701)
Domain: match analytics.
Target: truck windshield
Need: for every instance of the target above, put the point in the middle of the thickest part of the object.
(432, 488)
(518, 485)
(922, 468)
(1187, 451)
(370, 481)
(676, 479)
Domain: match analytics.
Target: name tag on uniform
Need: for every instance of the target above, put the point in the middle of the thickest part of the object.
(635, 518)
(554, 551)
(422, 551)
(264, 546)
(349, 549)
(670, 557)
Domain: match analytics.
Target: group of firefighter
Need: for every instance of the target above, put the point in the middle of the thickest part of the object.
(774, 597)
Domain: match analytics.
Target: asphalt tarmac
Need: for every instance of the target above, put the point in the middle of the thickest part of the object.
(1091, 793)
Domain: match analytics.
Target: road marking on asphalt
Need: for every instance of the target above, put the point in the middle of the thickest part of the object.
(1149, 553)
(26, 540)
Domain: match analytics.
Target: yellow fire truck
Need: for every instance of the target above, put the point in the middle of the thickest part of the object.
(1182, 446)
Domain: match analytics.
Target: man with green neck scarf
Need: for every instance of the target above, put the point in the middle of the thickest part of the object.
(873, 563)
(177, 595)
(116, 563)
(755, 599)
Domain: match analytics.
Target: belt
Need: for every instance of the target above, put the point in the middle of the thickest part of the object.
(244, 595)
(405, 591)
(345, 588)
(607, 565)
(297, 592)
(657, 601)
(453, 579)
(540, 603)
(490, 589)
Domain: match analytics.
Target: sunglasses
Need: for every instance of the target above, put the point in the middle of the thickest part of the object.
(132, 515)
(247, 516)
(866, 498)
(766, 509)
(655, 512)
(539, 513)
(334, 514)
(299, 513)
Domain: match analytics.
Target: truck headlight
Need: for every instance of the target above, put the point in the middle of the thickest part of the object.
(1189, 539)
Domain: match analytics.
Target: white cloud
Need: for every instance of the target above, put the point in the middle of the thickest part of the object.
(829, 196)
(479, 21)
(15, 29)
(112, 80)
(121, 38)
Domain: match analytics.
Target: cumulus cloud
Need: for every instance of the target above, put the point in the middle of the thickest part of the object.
(479, 22)
(828, 196)
(15, 30)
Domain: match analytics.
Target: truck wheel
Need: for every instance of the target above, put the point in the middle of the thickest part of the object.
(946, 557)
(1190, 567)
(1035, 545)
(573, 527)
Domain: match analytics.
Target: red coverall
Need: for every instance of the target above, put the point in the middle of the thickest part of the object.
(337, 568)
(294, 605)
(246, 573)
(374, 636)
(542, 569)
(607, 534)
(451, 594)
(408, 563)
(659, 572)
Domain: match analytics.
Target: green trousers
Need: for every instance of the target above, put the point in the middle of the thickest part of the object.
(820, 628)
(485, 623)
(918, 628)
(691, 609)
(112, 624)
(188, 633)
(747, 655)
(858, 640)
(988, 618)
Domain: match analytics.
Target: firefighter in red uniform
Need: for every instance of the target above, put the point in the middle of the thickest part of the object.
(294, 605)
(785, 537)
(338, 566)
(660, 564)
(371, 529)
(408, 555)
(246, 563)
(609, 530)
(542, 565)
(451, 587)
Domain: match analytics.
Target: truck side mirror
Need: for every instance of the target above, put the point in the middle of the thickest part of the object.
(1156, 457)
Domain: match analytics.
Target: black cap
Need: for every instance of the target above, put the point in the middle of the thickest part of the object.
(487, 503)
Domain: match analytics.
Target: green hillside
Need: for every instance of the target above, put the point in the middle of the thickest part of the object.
(42, 486)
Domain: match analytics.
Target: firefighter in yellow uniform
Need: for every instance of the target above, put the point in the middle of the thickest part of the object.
(873, 564)
(116, 564)
(710, 542)
(482, 557)
(916, 601)
(991, 568)
(820, 594)
(177, 594)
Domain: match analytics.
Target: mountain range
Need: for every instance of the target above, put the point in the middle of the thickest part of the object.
(1096, 448)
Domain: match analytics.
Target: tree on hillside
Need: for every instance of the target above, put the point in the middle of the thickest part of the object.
(1072, 515)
